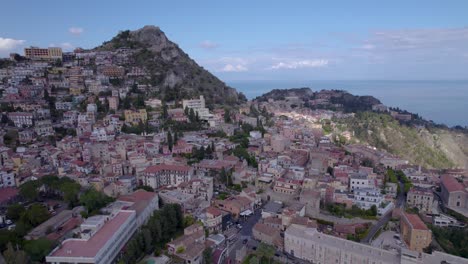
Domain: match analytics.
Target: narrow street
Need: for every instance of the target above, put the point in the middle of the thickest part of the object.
(400, 203)
(244, 233)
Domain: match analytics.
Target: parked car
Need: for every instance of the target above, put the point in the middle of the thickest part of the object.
(8, 222)
(11, 228)
(245, 241)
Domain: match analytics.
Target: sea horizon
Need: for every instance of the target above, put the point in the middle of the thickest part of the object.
(442, 101)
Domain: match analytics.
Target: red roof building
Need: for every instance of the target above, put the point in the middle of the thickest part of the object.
(453, 193)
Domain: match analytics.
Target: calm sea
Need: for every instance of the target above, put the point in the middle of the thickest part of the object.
(444, 102)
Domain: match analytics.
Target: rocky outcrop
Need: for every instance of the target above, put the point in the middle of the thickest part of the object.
(171, 70)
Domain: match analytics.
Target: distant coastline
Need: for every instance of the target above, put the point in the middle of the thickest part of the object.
(444, 102)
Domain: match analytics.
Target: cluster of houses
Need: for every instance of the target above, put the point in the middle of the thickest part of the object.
(297, 168)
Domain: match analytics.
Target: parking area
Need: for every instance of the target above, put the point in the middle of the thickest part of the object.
(389, 240)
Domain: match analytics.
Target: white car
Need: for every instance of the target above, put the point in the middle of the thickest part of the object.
(8, 222)
(11, 228)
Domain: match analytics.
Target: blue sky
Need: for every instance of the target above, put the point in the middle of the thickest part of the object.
(264, 40)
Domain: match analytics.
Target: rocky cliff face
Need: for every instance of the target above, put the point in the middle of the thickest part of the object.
(171, 70)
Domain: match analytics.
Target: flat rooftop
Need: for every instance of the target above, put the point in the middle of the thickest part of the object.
(90, 248)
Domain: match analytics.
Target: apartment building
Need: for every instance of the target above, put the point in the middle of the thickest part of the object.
(287, 186)
(102, 238)
(43, 53)
(21, 119)
(358, 181)
(367, 197)
(214, 219)
(414, 232)
(198, 105)
(164, 174)
(420, 198)
(135, 117)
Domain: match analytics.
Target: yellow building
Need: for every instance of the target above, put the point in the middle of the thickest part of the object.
(134, 117)
(75, 91)
(414, 232)
(43, 53)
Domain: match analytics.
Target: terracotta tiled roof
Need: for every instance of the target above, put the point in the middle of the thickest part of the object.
(7, 193)
(451, 184)
(213, 211)
(415, 221)
(138, 195)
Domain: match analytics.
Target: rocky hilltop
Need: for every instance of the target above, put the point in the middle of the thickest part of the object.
(170, 69)
(324, 99)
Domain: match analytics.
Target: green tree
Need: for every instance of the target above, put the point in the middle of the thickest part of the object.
(229, 180)
(148, 240)
(94, 200)
(170, 142)
(29, 190)
(13, 256)
(266, 251)
(373, 210)
(254, 260)
(227, 116)
(189, 220)
(35, 215)
(191, 115)
(176, 138)
(15, 211)
(165, 115)
(207, 256)
(38, 249)
(70, 192)
(7, 237)
(223, 175)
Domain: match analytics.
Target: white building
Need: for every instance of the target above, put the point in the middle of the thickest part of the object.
(154, 103)
(101, 241)
(366, 198)
(7, 178)
(198, 105)
(443, 220)
(101, 134)
(359, 181)
(63, 105)
(21, 119)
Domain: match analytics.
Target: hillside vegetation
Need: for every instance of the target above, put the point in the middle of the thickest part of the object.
(433, 147)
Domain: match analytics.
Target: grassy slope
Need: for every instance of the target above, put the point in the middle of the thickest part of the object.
(435, 149)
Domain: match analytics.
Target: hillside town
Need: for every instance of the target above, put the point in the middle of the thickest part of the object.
(97, 167)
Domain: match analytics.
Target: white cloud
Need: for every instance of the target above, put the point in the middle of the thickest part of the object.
(368, 47)
(228, 64)
(208, 44)
(8, 44)
(300, 64)
(234, 68)
(76, 31)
